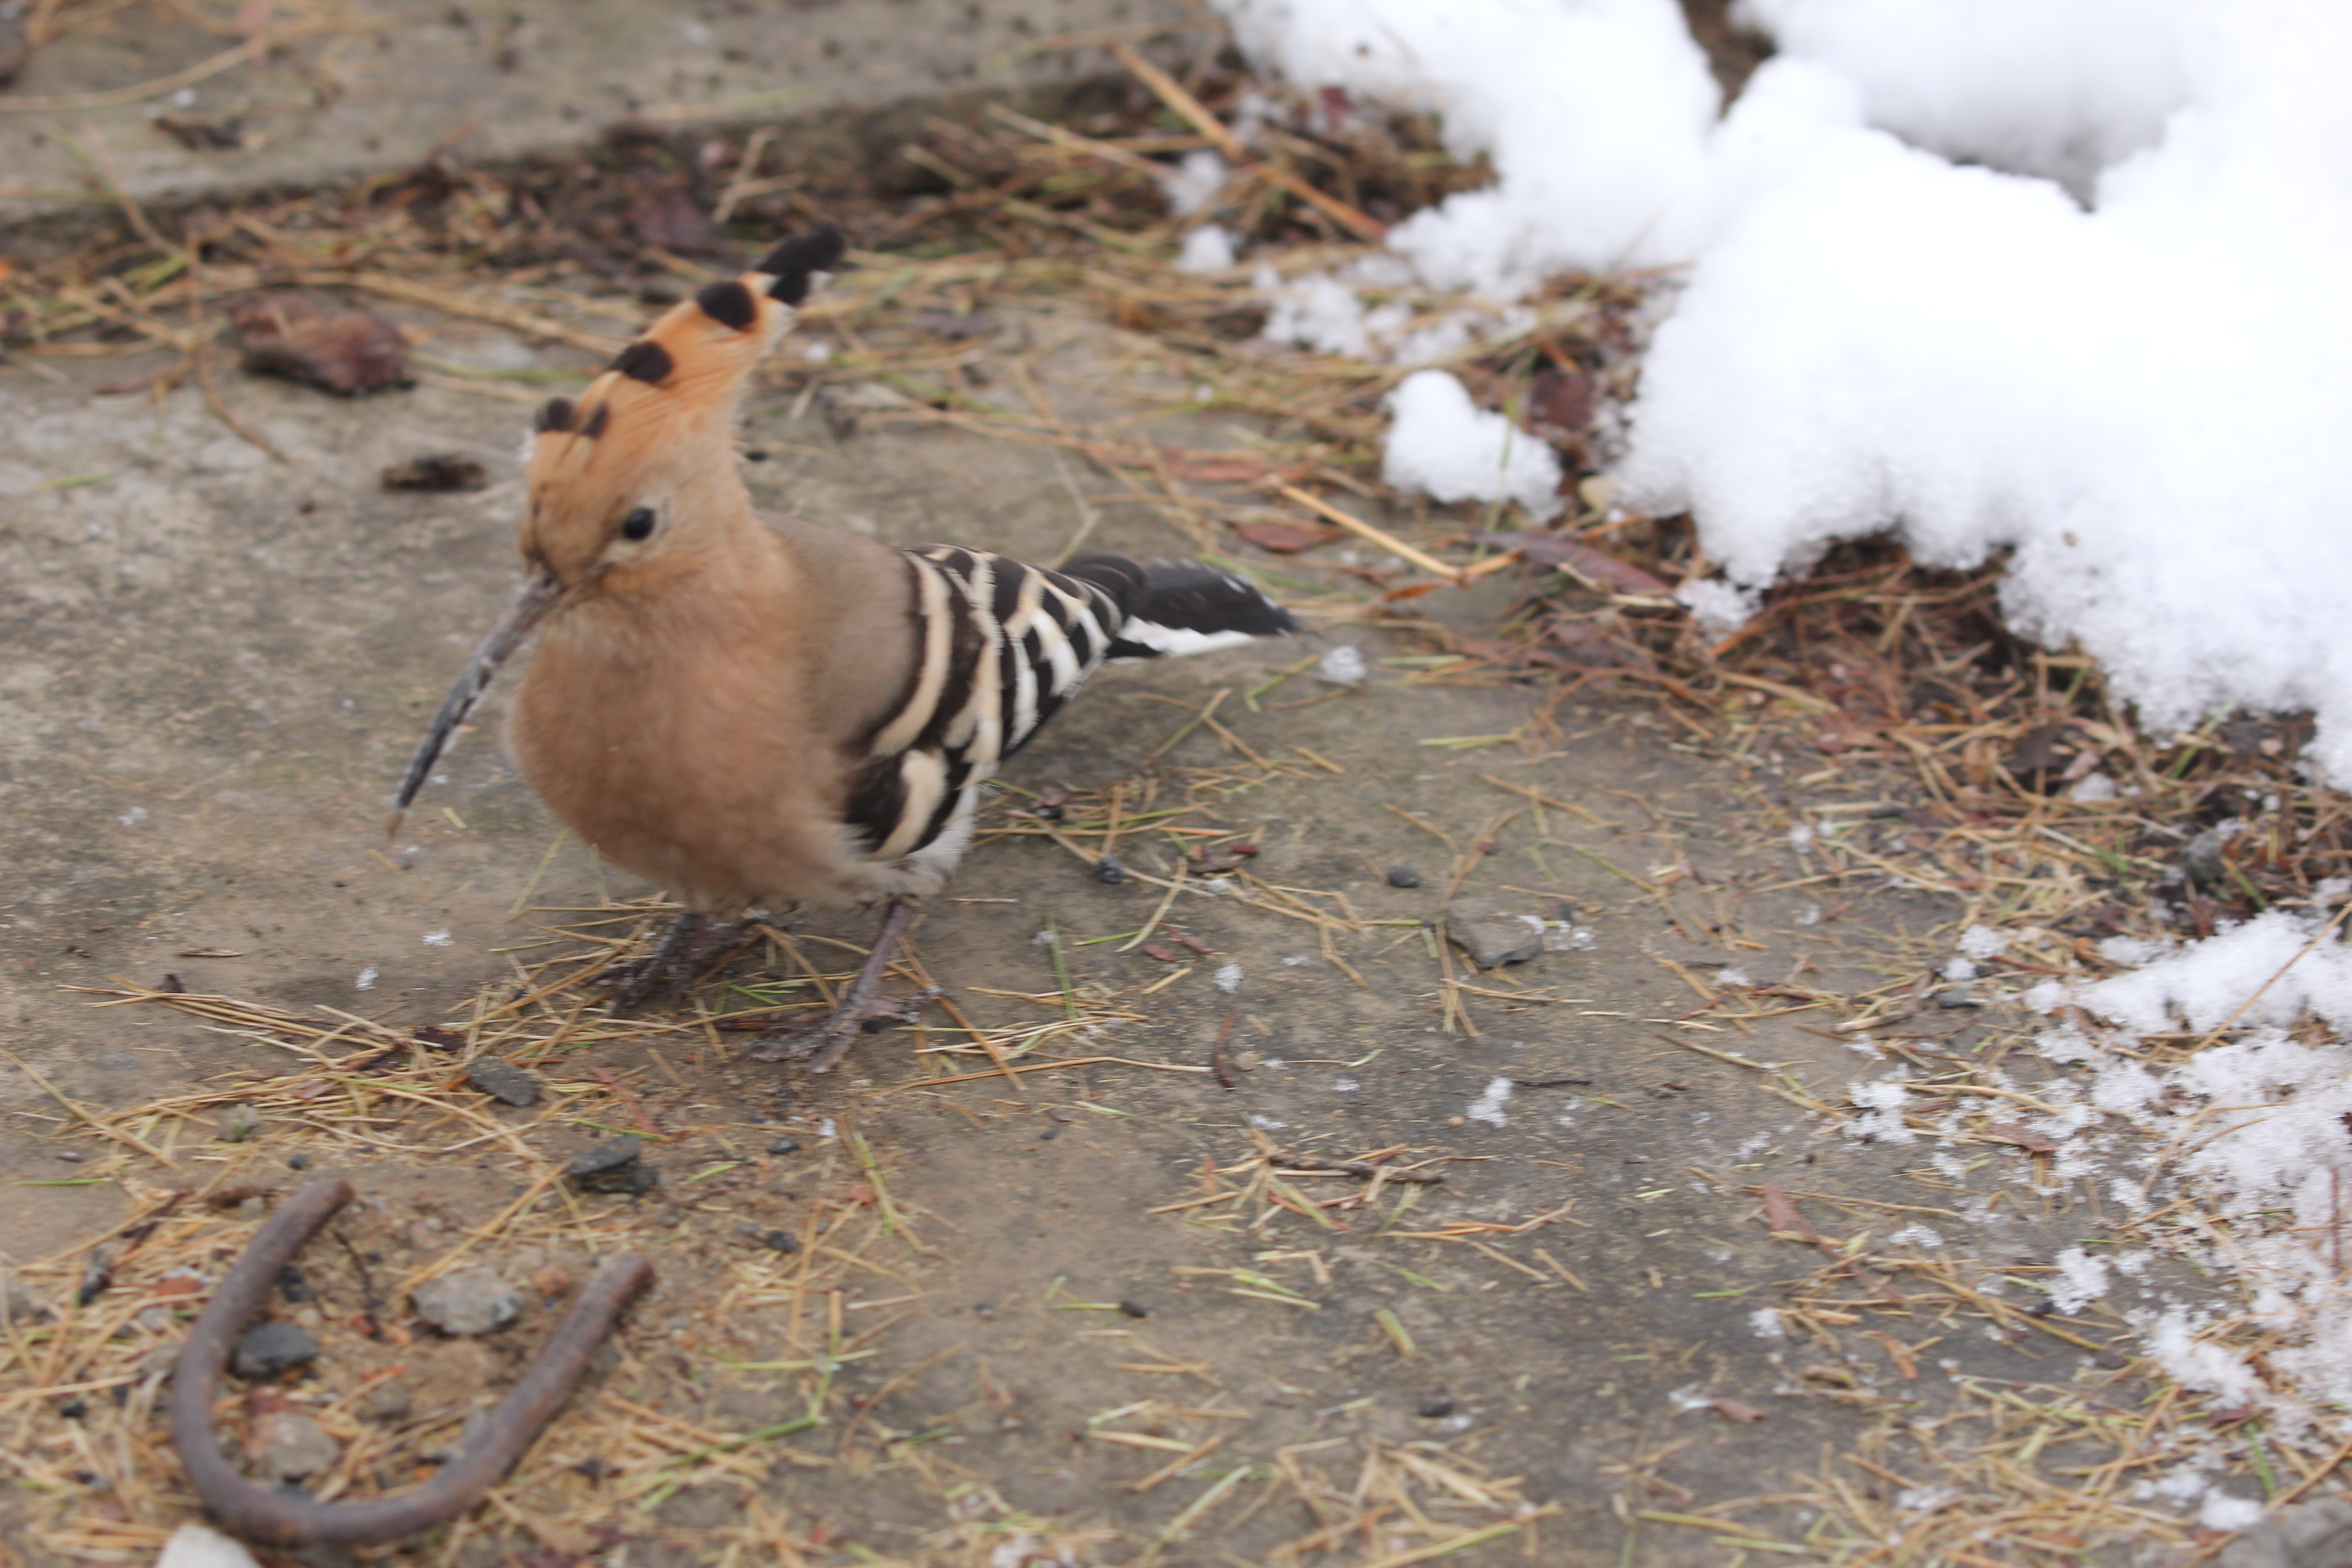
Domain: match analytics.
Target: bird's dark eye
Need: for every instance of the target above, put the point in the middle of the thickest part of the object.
(638, 524)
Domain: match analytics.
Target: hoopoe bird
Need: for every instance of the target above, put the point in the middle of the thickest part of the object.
(764, 714)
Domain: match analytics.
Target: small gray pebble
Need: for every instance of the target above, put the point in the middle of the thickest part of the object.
(266, 1350)
(19, 1303)
(785, 1146)
(502, 1080)
(469, 1301)
(609, 1155)
(1403, 876)
(294, 1446)
(1491, 935)
(613, 1166)
(782, 1241)
(388, 1402)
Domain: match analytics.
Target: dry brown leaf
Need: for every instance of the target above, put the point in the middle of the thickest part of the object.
(1782, 1213)
(1598, 567)
(2025, 1138)
(1285, 538)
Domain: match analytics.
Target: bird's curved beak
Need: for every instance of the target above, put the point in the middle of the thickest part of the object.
(532, 603)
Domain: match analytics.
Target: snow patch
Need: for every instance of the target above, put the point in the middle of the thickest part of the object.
(1445, 446)
(1488, 1106)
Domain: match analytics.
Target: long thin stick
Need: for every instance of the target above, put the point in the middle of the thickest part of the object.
(1152, 924)
(1388, 542)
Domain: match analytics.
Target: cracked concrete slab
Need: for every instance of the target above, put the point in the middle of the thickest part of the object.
(216, 662)
(340, 93)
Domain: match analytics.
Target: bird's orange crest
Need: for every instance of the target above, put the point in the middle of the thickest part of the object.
(661, 418)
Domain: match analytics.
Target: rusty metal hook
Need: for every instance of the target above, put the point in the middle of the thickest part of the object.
(289, 1519)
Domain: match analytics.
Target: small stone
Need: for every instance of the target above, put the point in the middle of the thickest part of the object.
(613, 1166)
(502, 1080)
(2317, 1535)
(388, 1403)
(1135, 1308)
(469, 1301)
(294, 1285)
(2111, 1361)
(1436, 1408)
(1110, 872)
(297, 1162)
(293, 1446)
(785, 1146)
(1403, 876)
(1491, 936)
(2202, 860)
(266, 1350)
(195, 1546)
(781, 1241)
(238, 1123)
(1954, 998)
(19, 1303)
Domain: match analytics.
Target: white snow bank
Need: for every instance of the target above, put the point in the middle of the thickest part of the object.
(1445, 446)
(1596, 116)
(2205, 983)
(1893, 320)
(2081, 84)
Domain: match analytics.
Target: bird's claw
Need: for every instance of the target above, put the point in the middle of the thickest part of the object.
(672, 957)
(823, 1045)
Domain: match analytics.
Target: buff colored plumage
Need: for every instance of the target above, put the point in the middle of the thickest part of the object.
(764, 714)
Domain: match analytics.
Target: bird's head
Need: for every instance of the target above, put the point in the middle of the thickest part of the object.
(612, 474)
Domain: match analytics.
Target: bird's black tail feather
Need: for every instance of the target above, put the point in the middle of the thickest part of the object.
(1180, 607)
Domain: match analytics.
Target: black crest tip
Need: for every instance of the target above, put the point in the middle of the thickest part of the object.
(791, 263)
(729, 304)
(555, 414)
(644, 361)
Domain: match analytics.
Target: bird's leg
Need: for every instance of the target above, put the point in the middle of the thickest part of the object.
(673, 950)
(826, 1043)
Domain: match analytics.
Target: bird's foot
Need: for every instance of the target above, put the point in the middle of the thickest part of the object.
(671, 958)
(823, 1044)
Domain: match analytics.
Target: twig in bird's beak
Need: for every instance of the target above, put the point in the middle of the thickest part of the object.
(532, 601)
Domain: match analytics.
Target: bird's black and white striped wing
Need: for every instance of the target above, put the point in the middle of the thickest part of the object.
(1002, 646)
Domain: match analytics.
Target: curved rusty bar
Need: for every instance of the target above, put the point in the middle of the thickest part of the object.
(288, 1519)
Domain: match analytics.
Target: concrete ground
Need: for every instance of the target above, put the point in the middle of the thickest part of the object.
(218, 662)
(347, 91)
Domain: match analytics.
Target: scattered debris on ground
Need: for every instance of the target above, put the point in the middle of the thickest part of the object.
(1901, 740)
